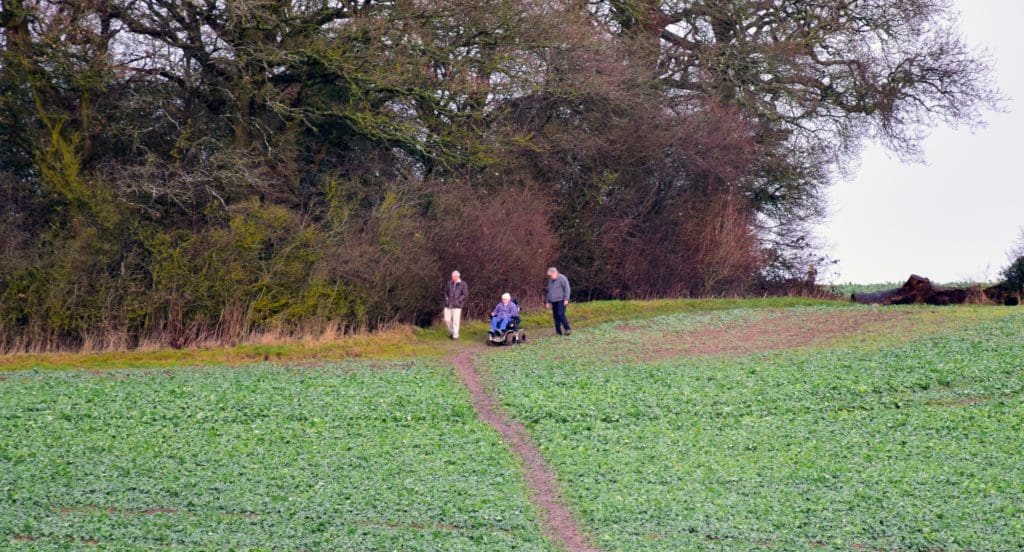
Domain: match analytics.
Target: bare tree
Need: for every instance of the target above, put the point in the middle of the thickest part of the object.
(817, 77)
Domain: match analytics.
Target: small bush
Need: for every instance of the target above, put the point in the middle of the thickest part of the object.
(1014, 274)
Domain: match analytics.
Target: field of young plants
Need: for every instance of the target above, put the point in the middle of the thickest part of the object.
(876, 439)
(343, 457)
(799, 428)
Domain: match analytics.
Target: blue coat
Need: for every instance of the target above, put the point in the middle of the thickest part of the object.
(506, 311)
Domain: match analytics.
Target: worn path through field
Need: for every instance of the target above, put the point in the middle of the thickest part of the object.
(558, 522)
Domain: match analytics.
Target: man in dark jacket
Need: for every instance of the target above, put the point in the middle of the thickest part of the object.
(455, 294)
(558, 299)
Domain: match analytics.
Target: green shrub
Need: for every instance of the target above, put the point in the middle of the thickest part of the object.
(246, 273)
(1014, 274)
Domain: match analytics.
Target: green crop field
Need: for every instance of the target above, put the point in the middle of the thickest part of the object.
(674, 426)
(345, 457)
(880, 443)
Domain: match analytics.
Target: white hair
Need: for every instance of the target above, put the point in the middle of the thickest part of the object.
(506, 295)
(456, 273)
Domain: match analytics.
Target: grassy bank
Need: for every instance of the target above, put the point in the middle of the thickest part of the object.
(400, 342)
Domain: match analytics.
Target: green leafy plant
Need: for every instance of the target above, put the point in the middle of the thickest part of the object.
(875, 443)
(1014, 274)
(342, 457)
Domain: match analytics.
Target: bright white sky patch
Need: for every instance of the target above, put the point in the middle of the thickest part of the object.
(956, 216)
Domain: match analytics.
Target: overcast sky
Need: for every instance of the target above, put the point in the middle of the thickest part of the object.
(954, 217)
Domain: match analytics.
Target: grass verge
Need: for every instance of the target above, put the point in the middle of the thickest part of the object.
(402, 342)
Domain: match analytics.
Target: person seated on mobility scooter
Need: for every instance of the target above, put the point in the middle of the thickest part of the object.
(503, 313)
(505, 323)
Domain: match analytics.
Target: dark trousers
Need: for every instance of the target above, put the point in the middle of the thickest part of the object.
(558, 314)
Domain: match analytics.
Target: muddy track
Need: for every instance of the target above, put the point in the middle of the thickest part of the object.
(559, 524)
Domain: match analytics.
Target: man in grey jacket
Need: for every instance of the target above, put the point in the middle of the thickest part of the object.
(455, 293)
(557, 299)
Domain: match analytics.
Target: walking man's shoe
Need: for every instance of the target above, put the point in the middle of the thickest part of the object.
(568, 332)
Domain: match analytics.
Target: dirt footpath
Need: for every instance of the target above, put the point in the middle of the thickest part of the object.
(787, 330)
(558, 522)
(791, 330)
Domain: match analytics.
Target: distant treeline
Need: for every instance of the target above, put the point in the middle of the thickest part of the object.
(179, 170)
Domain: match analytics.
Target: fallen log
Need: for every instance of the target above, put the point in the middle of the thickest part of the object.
(919, 289)
(914, 290)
